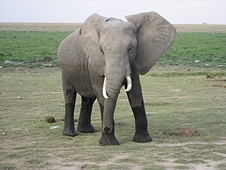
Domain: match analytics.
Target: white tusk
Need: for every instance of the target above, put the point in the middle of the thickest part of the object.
(129, 83)
(104, 89)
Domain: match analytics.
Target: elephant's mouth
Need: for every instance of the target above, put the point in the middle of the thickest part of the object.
(128, 88)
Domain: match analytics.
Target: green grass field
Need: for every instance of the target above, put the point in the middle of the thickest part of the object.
(185, 99)
(30, 47)
(197, 49)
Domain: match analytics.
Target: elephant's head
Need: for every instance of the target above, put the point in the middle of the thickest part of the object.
(113, 46)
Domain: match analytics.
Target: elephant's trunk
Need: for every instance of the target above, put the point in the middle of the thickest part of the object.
(113, 81)
(129, 86)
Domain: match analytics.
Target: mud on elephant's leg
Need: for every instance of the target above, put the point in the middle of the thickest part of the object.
(108, 138)
(141, 133)
(69, 128)
(84, 123)
(70, 97)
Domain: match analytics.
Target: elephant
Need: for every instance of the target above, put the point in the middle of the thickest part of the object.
(102, 56)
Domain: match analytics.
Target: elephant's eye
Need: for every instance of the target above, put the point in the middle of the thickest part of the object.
(130, 49)
(101, 50)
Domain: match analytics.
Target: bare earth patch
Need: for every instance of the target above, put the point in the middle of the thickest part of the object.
(58, 165)
(168, 163)
(209, 164)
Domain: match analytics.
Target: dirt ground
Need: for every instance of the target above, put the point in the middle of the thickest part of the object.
(169, 164)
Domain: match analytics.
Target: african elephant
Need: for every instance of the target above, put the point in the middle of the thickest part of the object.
(101, 57)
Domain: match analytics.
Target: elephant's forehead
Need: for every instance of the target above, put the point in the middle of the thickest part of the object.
(118, 26)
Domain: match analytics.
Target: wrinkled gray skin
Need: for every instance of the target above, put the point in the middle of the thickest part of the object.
(112, 49)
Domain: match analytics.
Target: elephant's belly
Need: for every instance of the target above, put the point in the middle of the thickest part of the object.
(84, 89)
(82, 85)
(78, 76)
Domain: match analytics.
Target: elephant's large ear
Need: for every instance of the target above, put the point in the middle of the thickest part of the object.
(155, 35)
(90, 37)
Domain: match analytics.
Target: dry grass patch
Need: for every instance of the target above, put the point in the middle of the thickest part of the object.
(29, 142)
(191, 28)
(62, 27)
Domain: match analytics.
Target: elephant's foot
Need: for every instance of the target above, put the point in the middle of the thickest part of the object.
(108, 139)
(69, 132)
(86, 128)
(142, 137)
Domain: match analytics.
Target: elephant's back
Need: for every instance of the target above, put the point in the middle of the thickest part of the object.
(69, 49)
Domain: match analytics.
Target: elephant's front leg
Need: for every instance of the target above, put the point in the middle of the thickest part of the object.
(141, 133)
(84, 122)
(108, 134)
(137, 105)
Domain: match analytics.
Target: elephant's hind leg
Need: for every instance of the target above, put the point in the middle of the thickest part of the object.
(70, 97)
(84, 122)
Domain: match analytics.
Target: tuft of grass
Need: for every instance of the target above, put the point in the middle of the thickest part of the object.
(222, 166)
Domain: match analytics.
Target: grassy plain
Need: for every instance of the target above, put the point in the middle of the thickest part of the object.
(39, 43)
(185, 103)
